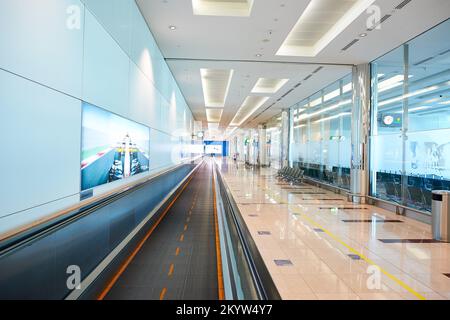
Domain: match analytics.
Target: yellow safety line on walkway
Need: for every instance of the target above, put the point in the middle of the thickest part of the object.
(354, 251)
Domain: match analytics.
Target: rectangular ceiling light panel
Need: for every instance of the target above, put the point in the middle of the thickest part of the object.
(230, 131)
(215, 83)
(250, 106)
(265, 85)
(230, 8)
(214, 115)
(213, 126)
(321, 23)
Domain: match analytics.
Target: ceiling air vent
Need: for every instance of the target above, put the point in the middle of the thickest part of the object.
(307, 77)
(350, 44)
(403, 4)
(318, 69)
(385, 18)
(445, 52)
(380, 22)
(423, 61)
(284, 95)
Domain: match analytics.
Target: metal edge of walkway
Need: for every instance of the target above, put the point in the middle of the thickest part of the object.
(264, 284)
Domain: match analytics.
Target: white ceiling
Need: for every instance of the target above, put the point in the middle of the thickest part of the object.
(228, 42)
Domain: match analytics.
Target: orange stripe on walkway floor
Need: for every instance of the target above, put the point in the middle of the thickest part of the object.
(163, 293)
(171, 270)
(218, 252)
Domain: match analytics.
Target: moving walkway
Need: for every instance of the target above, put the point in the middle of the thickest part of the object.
(177, 235)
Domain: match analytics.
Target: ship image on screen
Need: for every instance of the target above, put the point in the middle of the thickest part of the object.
(113, 148)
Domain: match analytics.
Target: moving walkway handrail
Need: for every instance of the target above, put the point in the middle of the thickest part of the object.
(26, 233)
(253, 266)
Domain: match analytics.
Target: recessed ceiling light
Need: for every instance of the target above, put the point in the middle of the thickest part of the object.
(266, 85)
(231, 8)
(215, 83)
(172, 28)
(306, 40)
(258, 55)
(214, 115)
(249, 107)
(362, 35)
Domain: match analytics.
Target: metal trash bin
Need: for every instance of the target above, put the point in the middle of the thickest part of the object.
(440, 215)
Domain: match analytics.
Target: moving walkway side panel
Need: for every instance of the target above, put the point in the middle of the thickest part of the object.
(255, 279)
(49, 265)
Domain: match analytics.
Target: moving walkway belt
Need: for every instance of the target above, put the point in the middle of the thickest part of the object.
(178, 261)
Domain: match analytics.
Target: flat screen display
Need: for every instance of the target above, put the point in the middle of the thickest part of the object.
(113, 148)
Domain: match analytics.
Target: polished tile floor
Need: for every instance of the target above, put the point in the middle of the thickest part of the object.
(332, 248)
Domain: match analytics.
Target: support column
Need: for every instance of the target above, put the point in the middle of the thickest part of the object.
(284, 138)
(253, 147)
(241, 146)
(405, 125)
(262, 134)
(360, 134)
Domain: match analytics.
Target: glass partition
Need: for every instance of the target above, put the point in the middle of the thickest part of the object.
(320, 134)
(410, 141)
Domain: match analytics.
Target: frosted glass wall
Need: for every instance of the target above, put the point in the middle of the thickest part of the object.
(410, 144)
(320, 134)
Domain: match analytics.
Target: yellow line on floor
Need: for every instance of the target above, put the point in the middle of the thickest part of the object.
(177, 252)
(354, 251)
(368, 260)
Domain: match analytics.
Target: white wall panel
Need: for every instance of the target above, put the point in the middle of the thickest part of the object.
(111, 61)
(35, 42)
(145, 101)
(41, 138)
(166, 123)
(106, 69)
(160, 150)
(144, 52)
(115, 16)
